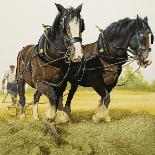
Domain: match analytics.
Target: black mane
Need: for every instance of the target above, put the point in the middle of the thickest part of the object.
(123, 27)
(69, 14)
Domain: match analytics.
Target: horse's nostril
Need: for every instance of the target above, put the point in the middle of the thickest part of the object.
(79, 59)
(147, 62)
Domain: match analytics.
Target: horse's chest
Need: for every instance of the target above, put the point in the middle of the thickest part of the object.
(110, 74)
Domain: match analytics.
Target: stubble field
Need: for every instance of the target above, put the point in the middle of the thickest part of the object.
(131, 131)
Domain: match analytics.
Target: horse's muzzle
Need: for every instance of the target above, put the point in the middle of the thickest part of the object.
(145, 59)
(78, 59)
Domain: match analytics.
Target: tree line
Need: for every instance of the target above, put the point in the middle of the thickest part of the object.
(136, 82)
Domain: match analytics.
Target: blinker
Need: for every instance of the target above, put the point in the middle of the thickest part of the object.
(152, 38)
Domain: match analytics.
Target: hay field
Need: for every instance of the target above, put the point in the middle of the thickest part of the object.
(132, 130)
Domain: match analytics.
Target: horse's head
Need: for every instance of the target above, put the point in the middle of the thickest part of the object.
(72, 25)
(141, 41)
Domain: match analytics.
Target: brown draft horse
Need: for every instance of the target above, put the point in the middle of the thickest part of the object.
(104, 60)
(43, 66)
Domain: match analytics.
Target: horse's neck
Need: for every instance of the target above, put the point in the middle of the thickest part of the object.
(116, 54)
(122, 42)
(56, 47)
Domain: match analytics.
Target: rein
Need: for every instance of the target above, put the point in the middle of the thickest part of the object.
(120, 85)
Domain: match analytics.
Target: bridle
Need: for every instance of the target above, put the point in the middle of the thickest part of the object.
(68, 42)
(139, 36)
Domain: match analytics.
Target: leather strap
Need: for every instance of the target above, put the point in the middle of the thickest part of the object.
(75, 39)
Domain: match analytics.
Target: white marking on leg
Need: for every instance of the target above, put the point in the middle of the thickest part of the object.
(51, 112)
(22, 112)
(35, 111)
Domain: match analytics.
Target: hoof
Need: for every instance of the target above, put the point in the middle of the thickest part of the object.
(101, 115)
(50, 114)
(96, 119)
(62, 117)
(67, 110)
(107, 119)
(22, 116)
(22, 112)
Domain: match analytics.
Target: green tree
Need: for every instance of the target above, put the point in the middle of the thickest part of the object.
(135, 81)
(152, 85)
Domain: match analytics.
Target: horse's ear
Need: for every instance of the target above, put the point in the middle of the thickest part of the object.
(137, 21)
(146, 19)
(138, 18)
(79, 8)
(60, 8)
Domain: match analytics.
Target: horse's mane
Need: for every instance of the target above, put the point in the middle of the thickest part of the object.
(70, 13)
(122, 28)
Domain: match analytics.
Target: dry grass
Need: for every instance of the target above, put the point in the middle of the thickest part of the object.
(132, 130)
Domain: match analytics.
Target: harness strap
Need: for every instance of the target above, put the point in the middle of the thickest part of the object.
(75, 39)
(146, 49)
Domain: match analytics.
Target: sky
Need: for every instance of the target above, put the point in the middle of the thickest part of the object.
(21, 23)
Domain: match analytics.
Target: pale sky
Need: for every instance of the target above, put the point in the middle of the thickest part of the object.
(21, 23)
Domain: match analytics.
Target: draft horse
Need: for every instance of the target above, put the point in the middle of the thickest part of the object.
(45, 66)
(110, 51)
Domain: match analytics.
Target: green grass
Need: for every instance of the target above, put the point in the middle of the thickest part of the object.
(131, 132)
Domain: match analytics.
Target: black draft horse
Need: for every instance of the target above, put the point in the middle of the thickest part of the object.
(43, 66)
(102, 73)
(105, 59)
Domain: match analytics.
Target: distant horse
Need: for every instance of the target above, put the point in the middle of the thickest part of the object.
(45, 66)
(105, 57)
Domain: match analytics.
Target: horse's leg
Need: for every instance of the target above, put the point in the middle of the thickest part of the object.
(60, 102)
(21, 92)
(35, 104)
(102, 109)
(47, 90)
(70, 97)
(62, 116)
(104, 103)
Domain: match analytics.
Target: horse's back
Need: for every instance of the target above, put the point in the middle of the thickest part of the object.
(26, 53)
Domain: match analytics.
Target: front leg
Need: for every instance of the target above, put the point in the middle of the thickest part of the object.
(70, 97)
(37, 96)
(103, 106)
(47, 90)
(102, 113)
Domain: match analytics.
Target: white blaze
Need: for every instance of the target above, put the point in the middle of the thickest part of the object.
(150, 39)
(75, 32)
